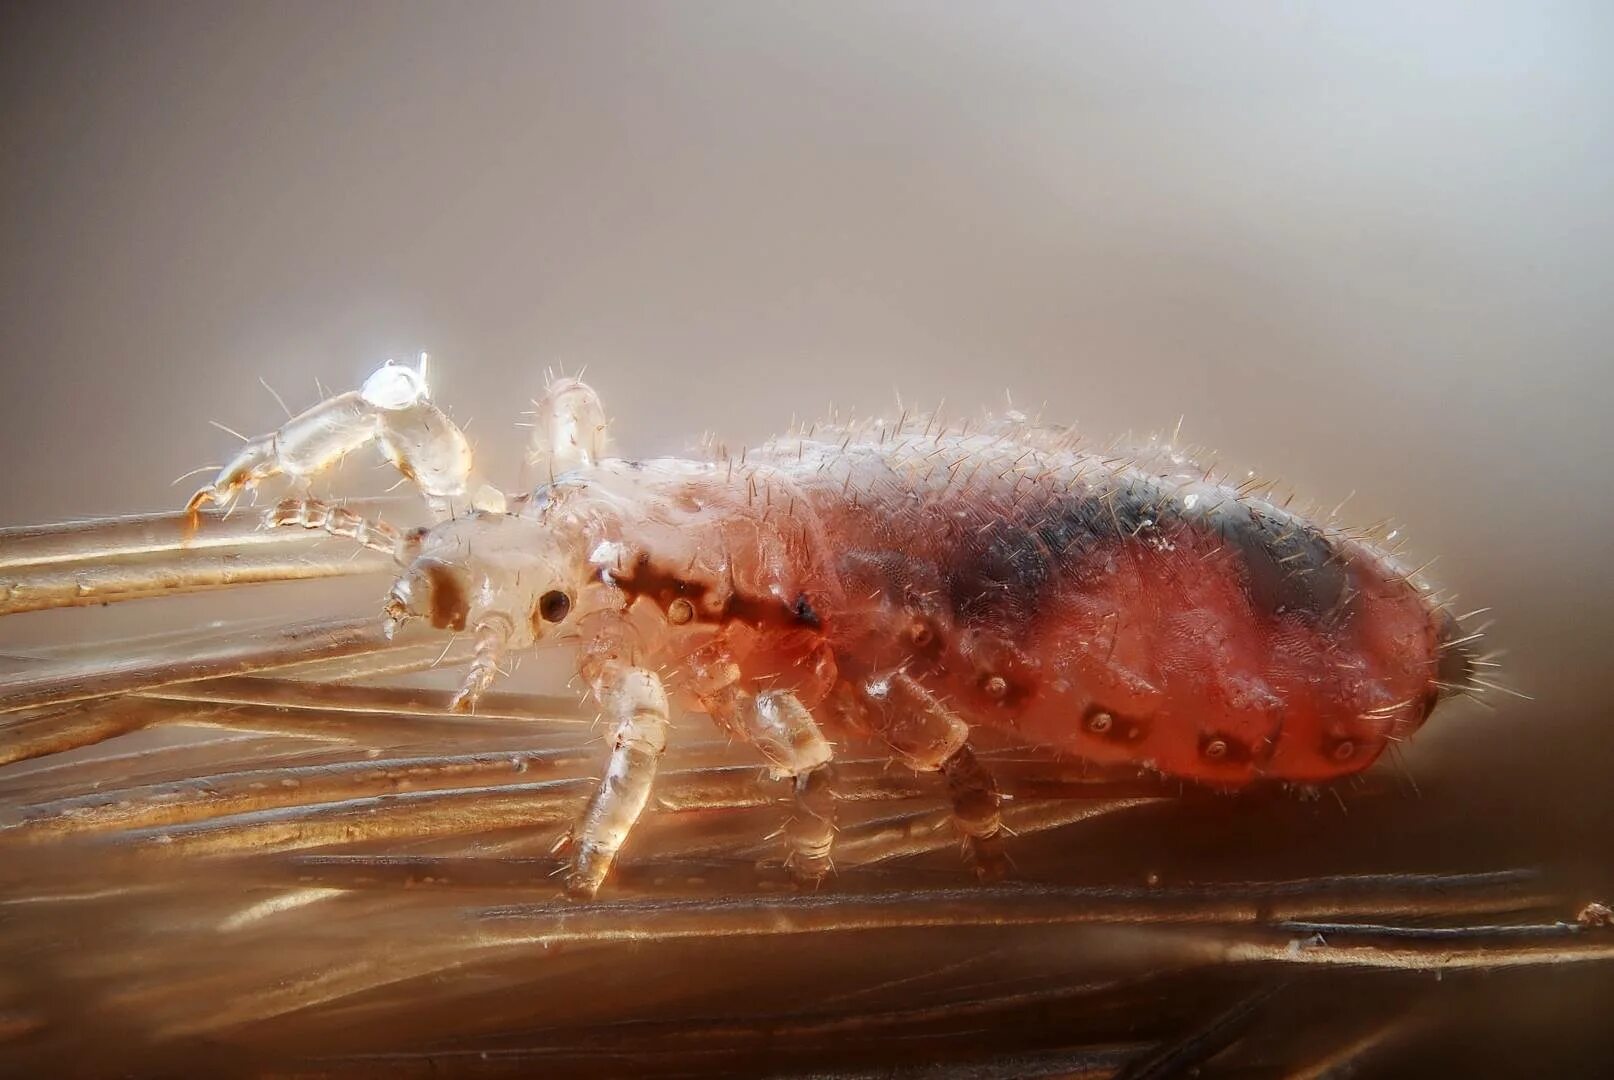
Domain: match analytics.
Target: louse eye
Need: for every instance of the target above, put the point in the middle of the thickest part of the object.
(554, 606)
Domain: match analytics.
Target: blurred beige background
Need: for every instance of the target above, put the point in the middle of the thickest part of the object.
(1365, 247)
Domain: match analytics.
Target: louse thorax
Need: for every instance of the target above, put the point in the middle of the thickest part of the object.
(715, 567)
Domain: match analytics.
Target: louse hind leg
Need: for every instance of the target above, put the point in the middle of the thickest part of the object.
(393, 410)
(810, 832)
(976, 811)
(635, 703)
(929, 737)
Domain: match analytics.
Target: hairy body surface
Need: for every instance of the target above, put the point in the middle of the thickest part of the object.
(902, 583)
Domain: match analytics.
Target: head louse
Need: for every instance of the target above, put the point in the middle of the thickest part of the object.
(909, 578)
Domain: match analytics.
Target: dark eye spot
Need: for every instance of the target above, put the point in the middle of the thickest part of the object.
(554, 606)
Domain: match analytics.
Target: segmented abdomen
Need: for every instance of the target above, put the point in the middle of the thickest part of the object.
(1116, 608)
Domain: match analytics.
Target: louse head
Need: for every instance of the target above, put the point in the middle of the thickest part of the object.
(488, 569)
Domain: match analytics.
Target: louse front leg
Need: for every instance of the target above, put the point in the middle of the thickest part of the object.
(392, 409)
(635, 703)
(785, 733)
(929, 737)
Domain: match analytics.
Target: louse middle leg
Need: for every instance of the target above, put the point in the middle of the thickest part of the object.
(929, 737)
(784, 731)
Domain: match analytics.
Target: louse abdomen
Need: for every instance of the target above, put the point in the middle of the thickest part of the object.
(1185, 630)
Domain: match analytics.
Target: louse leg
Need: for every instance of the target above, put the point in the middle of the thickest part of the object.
(391, 409)
(929, 737)
(568, 429)
(635, 702)
(785, 733)
(810, 832)
(977, 811)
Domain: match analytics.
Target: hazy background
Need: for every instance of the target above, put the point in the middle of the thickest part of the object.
(1363, 246)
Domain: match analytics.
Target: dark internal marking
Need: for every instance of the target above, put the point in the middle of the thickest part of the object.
(1005, 570)
(665, 588)
(1004, 575)
(450, 608)
(1078, 524)
(1289, 566)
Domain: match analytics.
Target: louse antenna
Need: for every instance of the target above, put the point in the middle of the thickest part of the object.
(194, 472)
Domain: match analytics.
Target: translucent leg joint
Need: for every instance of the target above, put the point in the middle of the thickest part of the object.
(810, 833)
(785, 733)
(636, 702)
(923, 731)
(929, 737)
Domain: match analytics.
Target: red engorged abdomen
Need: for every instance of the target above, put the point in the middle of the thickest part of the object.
(1164, 662)
(1219, 649)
